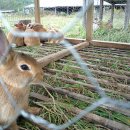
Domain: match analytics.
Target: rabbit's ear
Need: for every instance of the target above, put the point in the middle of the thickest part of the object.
(18, 25)
(3, 43)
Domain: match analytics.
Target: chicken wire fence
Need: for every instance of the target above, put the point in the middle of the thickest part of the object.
(57, 17)
(104, 98)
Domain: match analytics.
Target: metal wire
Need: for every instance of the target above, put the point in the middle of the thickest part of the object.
(104, 99)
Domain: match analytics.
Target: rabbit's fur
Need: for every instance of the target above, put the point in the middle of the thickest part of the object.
(17, 71)
(31, 41)
(36, 27)
(55, 31)
(19, 41)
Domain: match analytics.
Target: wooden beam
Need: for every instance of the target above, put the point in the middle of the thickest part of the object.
(101, 11)
(89, 21)
(56, 56)
(74, 40)
(108, 44)
(37, 11)
(127, 15)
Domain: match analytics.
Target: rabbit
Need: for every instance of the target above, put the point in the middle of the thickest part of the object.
(31, 41)
(54, 30)
(19, 41)
(17, 71)
(38, 28)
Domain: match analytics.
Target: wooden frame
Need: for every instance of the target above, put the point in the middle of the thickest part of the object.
(65, 52)
(89, 30)
(89, 21)
(37, 11)
(108, 44)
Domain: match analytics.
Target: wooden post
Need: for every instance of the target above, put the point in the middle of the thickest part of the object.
(37, 11)
(89, 20)
(112, 13)
(127, 15)
(101, 11)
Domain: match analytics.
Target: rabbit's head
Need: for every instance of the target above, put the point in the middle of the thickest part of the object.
(20, 26)
(17, 69)
(36, 27)
(29, 26)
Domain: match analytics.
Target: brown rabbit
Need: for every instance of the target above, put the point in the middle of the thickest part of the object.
(19, 41)
(38, 28)
(31, 41)
(17, 71)
(54, 30)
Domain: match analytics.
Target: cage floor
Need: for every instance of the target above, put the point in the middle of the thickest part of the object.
(39, 52)
(69, 90)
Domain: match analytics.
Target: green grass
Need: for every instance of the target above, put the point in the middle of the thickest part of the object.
(116, 34)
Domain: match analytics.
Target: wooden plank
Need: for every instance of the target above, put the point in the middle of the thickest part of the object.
(75, 40)
(56, 56)
(117, 45)
(89, 21)
(37, 11)
(109, 44)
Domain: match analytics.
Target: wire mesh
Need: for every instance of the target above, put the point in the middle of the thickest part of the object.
(104, 99)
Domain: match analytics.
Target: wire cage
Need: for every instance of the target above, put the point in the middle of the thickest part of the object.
(86, 80)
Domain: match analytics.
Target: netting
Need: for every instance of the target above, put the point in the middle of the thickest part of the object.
(78, 62)
(111, 28)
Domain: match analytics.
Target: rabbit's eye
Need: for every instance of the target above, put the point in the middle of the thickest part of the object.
(24, 67)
